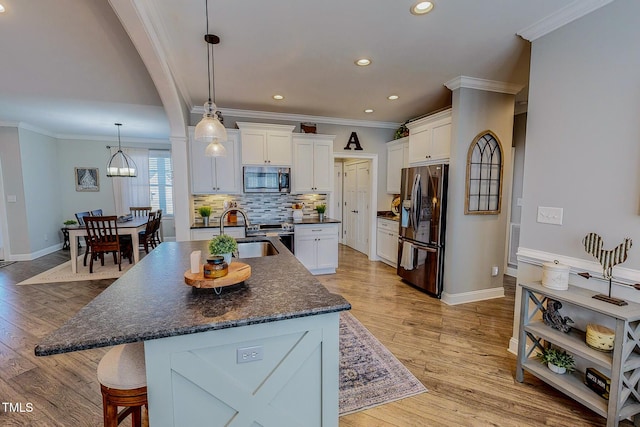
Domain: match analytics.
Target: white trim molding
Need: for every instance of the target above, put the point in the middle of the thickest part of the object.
(473, 296)
(483, 84)
(33, 255)
(569, 13)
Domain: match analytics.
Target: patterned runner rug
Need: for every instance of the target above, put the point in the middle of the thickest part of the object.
(5, 263)
(370, 375)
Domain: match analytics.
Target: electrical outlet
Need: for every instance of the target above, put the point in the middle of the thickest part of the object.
(494, 270)
(547, 215)
(249, 354)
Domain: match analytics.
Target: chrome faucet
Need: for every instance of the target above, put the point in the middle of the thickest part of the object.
(240, 211)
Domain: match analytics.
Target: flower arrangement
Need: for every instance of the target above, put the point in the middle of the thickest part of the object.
(222, 244)
(204, 211)
(321, 208)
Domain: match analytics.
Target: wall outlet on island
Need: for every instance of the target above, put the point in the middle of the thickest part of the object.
(249, 354)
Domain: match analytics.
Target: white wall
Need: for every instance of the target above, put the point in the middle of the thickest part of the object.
(583, 141)
(13, 186)
(475, 243)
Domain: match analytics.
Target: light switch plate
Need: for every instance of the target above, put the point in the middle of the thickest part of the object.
(549, 215)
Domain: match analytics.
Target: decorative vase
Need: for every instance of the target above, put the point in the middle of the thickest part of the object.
(227, 257)
(205, 221)
(320, 216)
(556, 369)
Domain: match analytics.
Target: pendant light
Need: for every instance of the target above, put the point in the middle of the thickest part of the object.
(209, 129)
(121, 164)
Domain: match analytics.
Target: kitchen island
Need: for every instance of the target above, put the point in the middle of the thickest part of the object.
(281, 319)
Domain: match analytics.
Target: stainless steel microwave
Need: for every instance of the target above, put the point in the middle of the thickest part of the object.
(265, 179)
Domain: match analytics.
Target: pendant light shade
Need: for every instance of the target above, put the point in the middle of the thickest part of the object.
(209, 129)
(121, 164)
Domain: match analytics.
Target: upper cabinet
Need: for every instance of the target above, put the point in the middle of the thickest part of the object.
(266, 144)
(312, 163)
(211, 175)
(430, 138)
(397, 158)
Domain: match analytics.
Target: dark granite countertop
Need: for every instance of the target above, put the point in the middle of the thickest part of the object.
(152, 301)
(315, 220)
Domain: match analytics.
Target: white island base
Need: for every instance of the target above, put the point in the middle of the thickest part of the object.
(196, 380)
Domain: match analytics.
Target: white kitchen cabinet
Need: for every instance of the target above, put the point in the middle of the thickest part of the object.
(312, 163)
(266, 144)
(430, 139)
(387, 241)
(316, 247)
(397, 158)
(209, 233)
(210, 175)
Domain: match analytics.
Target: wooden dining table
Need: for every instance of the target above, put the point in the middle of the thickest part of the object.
(131, 228)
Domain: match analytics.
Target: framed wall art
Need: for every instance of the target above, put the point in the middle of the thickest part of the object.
(87, 179)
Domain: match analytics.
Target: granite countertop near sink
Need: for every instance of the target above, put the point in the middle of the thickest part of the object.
(215, 223)
(152, 301)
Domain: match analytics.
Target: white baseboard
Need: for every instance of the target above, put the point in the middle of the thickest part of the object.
(513, 346)
(389, 263)
(34, 255)
(473, 296)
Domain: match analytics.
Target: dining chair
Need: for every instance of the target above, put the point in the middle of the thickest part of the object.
(146, 237)
(102, 235)
(156, 233)
(80, 216)
(140, 210)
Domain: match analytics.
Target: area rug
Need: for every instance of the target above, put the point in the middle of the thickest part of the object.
(5, 263)
(370, 375)
(63, 273)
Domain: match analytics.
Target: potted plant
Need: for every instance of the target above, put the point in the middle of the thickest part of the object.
(559, 361)
(321, 210)
(204, 212)
(223, 245)
(69, 222)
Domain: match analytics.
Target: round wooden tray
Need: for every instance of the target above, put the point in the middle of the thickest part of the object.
(238, 272)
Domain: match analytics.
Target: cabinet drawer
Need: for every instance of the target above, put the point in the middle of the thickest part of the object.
(388, 225)
(316, 230)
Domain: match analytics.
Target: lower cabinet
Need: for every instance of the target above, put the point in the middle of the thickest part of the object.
(387, 241)
(209, 233)
(316, 247)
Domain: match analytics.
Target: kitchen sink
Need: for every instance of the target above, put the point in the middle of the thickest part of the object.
(256, 249)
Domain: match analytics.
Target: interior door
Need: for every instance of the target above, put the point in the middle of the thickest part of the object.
(350, 204)
(337, 197)
(362, 208)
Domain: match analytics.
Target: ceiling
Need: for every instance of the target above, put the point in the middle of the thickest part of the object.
(69, 67)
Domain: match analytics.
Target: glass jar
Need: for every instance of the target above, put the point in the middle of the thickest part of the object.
(215, 267)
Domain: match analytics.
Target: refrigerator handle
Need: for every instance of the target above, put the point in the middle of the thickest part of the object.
(416, 196)
(423, 247)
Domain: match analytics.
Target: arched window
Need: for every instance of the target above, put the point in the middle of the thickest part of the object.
(484, 175)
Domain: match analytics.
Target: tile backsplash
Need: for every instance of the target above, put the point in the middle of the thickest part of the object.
(261, 207)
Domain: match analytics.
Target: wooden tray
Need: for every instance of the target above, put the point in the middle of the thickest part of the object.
(238, 272)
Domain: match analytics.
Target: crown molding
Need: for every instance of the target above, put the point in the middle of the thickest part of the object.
(267, 115)
(111, 139)
(482, 84)
(569, 13)
(29, 127)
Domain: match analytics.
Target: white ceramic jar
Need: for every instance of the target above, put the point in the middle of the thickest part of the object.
(555, 276)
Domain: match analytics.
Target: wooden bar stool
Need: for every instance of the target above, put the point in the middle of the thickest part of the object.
(123, 382)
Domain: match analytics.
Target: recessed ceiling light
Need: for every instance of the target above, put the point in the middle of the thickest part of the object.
(422, 8)
(368, 110)
(363, 62)
(392, 97)
(278, 97)
(1, 8)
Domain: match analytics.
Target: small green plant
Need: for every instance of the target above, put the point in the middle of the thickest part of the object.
(222, 244)
(204, 211)
(321, 208)
(561, 359)
(70, 222)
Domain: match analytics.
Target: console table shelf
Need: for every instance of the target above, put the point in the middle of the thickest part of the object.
(622, 363)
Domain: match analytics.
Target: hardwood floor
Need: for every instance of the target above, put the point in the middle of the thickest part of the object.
(458, 352)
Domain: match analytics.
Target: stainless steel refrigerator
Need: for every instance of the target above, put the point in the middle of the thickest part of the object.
(423, 214)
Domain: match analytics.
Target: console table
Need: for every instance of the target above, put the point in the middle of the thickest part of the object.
(622, 365)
